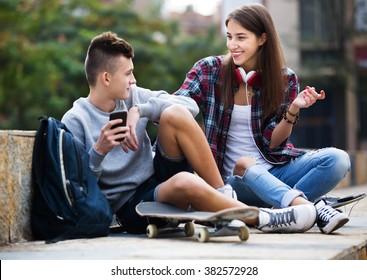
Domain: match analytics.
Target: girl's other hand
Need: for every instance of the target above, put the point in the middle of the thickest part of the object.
(308, 97)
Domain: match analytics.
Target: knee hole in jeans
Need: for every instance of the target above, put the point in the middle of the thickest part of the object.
(242, 164)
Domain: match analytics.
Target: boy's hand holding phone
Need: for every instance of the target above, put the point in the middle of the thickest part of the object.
(119, 115)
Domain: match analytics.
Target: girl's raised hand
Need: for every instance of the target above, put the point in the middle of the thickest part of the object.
(308, 97)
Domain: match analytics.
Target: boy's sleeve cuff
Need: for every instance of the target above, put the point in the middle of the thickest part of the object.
(95, 159)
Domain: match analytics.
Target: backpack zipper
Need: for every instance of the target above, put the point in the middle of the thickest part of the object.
(65, 183)
(79, 163)
(80, 168)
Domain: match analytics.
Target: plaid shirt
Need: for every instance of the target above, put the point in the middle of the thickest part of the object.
(203, 85)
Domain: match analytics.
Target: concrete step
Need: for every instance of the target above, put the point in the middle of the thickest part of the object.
(16, 148)
(347, 243)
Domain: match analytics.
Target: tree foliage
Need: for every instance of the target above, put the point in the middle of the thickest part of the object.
(43, 45)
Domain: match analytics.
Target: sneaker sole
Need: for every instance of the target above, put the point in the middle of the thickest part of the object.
(334, 226)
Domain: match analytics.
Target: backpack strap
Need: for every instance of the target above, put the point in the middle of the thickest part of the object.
(37, 157)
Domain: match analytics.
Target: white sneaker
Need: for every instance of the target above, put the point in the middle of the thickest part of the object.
(228, 191)
(329, 219)
(298, 218)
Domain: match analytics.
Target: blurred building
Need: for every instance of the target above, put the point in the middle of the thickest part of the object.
(325, 41)
(193, 23)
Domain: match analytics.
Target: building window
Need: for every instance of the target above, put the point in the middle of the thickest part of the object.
(321, 32)
(361, 15)
(321, 21)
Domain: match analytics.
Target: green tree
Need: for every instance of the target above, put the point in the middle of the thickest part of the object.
(43, 45)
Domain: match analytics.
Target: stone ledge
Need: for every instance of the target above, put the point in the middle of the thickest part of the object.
(15, 179)
(16, 148)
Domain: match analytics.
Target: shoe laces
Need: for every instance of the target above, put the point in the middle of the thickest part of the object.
(326, 212)
(282, 218)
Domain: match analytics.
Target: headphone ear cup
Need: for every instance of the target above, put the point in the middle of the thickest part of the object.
(240, 75)
(254, 79)
(249, 77)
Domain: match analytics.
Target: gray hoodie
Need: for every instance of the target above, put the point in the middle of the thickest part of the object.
(119, 173)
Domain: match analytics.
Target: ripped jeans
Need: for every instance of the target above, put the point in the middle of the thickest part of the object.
(311, 175)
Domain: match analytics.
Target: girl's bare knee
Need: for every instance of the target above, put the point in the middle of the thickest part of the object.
(242, 164)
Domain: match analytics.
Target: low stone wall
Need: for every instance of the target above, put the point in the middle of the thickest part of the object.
(16, 148)
(15, 179)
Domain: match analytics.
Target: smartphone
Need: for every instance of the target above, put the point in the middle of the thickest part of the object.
(352, 197)
(122, 114)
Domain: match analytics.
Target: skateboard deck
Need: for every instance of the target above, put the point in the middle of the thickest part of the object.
(218, 221)
(337, 202)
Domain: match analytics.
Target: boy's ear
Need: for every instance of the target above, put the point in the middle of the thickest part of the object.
(262, 39)
(105, 78)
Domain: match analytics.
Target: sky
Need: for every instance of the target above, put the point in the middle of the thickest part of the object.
(205, 7)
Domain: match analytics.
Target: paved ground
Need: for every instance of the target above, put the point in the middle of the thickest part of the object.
(349, 242)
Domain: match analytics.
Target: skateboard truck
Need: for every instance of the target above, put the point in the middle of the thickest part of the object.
(204, 233)
(153, 231)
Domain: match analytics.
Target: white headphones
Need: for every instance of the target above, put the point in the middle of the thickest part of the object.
(250, 78)
(246, 77)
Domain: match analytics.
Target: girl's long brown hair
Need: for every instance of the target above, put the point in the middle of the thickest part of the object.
(270, 59)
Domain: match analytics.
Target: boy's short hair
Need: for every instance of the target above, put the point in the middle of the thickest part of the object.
(102, 53)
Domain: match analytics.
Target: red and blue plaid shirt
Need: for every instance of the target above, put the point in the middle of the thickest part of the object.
(203, 85)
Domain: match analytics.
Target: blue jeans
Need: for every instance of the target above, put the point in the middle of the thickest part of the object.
(311, 175)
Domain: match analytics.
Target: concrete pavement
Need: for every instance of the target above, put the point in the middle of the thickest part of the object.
(348, 243)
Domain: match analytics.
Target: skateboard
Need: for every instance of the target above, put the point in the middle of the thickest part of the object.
(337, 202)
(212, 223)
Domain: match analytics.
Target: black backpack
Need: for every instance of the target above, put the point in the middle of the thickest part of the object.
(67, 202)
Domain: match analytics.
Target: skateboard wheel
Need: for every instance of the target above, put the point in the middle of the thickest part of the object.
(189, 229)
(244, 233)
(203, 235)
(152, 231)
